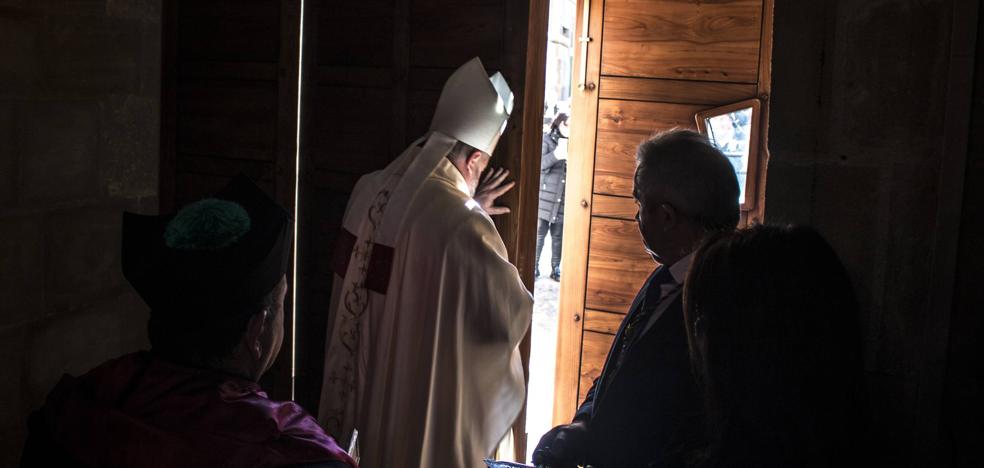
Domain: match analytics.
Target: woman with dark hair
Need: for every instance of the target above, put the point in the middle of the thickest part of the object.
(772, 325)
(553, 180)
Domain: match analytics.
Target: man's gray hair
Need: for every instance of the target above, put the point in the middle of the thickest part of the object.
(462, 150)
(698, 179)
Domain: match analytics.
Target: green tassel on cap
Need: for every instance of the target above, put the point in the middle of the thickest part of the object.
(207, 224)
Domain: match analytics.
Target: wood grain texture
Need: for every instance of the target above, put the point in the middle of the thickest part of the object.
(448, 34)
(593, 353)
(692, 40)
(674, 91)
(622, 126)
(609, 206)
(618, 265)
(602, 322)
(577, 217)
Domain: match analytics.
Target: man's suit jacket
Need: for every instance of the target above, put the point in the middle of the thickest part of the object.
(647, 411)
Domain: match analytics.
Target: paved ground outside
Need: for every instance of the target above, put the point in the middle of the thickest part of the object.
(543, 353)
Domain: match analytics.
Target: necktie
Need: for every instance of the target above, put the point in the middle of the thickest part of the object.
(638, 320)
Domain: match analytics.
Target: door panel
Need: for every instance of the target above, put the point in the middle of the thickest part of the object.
(614, 207)
(617, 265)
(601, 321)
(656, 63)
(622, 125)
(675, 39)
(595, 350)
(679, 91)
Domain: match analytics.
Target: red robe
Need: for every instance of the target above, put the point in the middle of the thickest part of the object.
(141, 411)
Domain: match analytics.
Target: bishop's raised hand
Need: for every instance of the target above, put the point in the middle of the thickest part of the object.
(492, 186)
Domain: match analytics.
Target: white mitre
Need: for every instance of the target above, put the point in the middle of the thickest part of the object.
(474, 107)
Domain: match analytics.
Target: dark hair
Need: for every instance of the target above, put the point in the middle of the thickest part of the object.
(557, 122)
(698, 178)
(773, 327)
(202, 332)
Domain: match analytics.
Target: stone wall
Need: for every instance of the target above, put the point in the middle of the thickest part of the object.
(79, 125)
(858, 109)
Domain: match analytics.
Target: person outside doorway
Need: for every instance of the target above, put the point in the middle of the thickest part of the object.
(553, 179)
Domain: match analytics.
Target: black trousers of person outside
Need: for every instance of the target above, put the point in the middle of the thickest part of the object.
(556, 237)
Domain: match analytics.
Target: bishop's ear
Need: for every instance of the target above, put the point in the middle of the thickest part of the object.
(254, 333)
(474, 161)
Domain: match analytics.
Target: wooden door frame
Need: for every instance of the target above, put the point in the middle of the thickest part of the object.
(528, 182)
(577, 209)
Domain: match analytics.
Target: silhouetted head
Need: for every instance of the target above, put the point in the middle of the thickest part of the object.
(213, 275)
(772, 323)
(685, 188)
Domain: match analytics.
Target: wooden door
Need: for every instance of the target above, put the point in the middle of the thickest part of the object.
(229, 80)
(641, 66)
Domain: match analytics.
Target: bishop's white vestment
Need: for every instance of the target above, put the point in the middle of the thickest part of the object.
(427, 316)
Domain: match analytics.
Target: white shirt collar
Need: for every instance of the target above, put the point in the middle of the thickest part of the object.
(679, 269)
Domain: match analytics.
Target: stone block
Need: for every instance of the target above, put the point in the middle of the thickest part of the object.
(70, 343)
(150, 59)
(788, 192)
(850, 208)
(82, 261)
(21, 270)
(89, 55)
(129, 157)
(19, 31)
(8, 154)
(881, 111)
(13, 406)
(58, 145)
(797, 79)
(147, 10)
(133, 312)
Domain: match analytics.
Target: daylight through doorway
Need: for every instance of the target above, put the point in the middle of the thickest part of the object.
(546, 294)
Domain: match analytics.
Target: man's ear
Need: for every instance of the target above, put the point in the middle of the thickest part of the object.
(473, 159)
(254, 333)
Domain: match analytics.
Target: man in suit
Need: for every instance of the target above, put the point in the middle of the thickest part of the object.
(644, 409)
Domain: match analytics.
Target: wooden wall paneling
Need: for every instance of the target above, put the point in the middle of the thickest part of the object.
(602, 321)
(355, 33)
(229, 106)
(447, 33)
(618, 265)
(595, 349)
(622, 125)
(577, 214)
(675, 91)
(608, 206)
(683, 40)
(230, 118)
(230, 31)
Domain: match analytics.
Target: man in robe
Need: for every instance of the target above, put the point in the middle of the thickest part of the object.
(645, 408)
(214, 278)
(427, 312)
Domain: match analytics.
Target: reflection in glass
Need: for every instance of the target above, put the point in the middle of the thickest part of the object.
(732, 133)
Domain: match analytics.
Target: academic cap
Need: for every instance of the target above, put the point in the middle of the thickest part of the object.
(214, 254)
